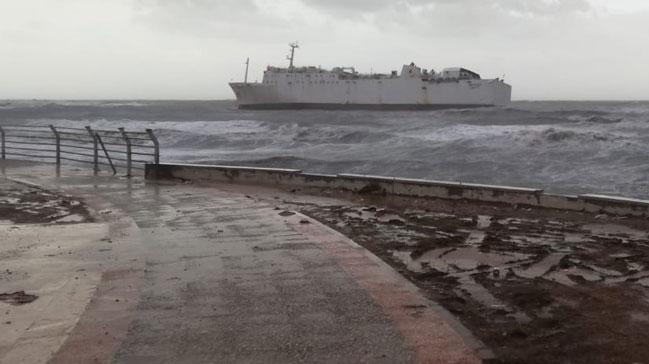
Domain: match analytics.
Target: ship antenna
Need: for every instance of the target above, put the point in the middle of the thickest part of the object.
(291, 57)
(245, 79)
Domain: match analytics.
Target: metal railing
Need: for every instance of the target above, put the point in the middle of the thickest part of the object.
(116, 149)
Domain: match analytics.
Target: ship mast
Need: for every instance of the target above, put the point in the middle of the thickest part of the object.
(245, 79)
(291, 56)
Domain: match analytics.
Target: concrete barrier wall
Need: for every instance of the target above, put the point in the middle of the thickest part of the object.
(399, 187)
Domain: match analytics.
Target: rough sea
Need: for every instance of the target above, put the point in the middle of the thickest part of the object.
(563, 147)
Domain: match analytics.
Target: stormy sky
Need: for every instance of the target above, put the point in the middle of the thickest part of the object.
(191, 49)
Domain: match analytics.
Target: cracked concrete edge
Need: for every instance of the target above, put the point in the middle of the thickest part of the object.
(481, 351)
(26, 183)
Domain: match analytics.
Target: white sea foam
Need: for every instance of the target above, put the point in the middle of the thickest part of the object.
(559, 146)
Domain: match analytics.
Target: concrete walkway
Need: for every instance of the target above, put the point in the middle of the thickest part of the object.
(203, 275)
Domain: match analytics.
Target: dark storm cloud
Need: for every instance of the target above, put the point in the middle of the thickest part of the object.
(254, 19)
(250, 19)
(534, 7)
(221, 9)
(204, 18)
(368, 6)
(543, 7)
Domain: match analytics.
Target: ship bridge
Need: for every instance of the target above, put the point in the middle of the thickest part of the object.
(454, 73)
(459, 73)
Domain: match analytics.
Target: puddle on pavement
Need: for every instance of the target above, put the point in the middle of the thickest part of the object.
(569, 276)
(575, 238)
(9, 200)
(462, 263)
(475, 238)
(644, 282)
(374, 214)
(484, 221)
(639, 317)
(17, 298)
(479, 293)
(459, 259)
(71, 218)
(613, 230)
(540, 268)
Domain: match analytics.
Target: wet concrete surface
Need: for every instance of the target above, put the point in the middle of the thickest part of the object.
(61, 266)
(203, 275)
(238, 274)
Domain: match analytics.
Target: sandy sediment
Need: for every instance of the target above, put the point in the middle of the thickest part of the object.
(536, 285)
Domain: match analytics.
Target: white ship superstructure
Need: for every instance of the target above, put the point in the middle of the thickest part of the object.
(343, 87)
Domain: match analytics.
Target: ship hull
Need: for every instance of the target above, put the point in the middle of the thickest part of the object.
(379, 107)
(295, 92)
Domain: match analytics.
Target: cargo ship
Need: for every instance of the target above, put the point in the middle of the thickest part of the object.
(344, 88)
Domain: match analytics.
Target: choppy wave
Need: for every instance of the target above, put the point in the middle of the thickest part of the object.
(560, 146)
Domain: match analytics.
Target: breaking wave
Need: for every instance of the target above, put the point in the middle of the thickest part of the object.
(566, 147)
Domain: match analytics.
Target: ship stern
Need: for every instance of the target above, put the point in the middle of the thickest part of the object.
(502, 93)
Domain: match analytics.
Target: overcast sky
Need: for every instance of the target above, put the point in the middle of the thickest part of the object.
(191, 49)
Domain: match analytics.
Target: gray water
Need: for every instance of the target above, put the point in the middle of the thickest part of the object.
(567, 147)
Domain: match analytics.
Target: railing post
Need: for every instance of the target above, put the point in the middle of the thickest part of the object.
(156, 146)
(58, 144)
(95, 149)
(2, 142)
(128, 152)
(103, 147)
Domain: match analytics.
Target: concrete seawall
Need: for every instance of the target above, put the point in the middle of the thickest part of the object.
(400, 187)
